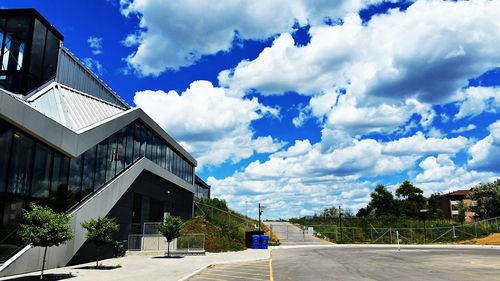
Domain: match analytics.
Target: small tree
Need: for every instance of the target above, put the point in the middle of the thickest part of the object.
(99, 232)
(42, 227)
(487, 196)
(462, 209)
(170, 228)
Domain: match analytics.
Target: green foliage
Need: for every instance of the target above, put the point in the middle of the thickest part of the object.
(462, 208)
(435, 212)
(487, 196)
(382, 202)
(170, 228)
(331, 212)
(215, 202)
(411, 199)
(100, 230)
(42, 227)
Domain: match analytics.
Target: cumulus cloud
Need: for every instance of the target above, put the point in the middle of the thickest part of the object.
(476, 100)
(94, 65)
(305, 172)
(211, 125)
(485, 154)
(174, 34)
(95, 43)
(415, 53)
(467, 128)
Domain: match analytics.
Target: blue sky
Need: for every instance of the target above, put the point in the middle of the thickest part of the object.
(307, 104)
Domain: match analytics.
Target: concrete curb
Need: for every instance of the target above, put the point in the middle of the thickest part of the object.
(402, 246)
(224, 262)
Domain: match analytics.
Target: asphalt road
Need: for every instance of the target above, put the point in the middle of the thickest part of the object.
(252, 271)
(385, 264)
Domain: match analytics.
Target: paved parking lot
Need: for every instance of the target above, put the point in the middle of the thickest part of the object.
(252, 271)
(369, 263)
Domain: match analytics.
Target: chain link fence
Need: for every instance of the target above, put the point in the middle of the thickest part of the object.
(421, 235)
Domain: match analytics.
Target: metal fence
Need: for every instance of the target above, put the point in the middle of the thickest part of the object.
(391, 235)
(186, 243)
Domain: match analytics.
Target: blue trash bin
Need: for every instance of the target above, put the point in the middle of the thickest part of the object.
(255, 241)
(264, 239)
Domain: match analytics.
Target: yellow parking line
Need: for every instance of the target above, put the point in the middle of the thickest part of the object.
(235, 276)
(271, 278)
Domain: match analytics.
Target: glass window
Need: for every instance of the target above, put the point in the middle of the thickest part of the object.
(163, 149)
(15, 41)
(50, 57)
(144, 137)
(5, 143)
(149, 147)
(100, 170)
(59, 187)
(41, 172)
(37, 49)
(169, 160)
(137, 141)
(120, 150)
(3, 22)
(21, 162)
(75, 180)
(112, 156)
(154, 148)
(89, 160)
(129, 149)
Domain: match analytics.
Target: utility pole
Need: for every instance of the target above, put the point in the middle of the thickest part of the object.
(246, 214)
(261, 210)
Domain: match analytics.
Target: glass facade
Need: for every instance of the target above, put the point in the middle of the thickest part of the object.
(32, 172)
(28, 52)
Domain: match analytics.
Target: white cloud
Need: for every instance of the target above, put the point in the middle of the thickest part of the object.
(94, 65)
(419, 144)
(95, 43)
(477, 100)
(211, 125)
(467, 128)
(174, 34)
(417, 53)
(485, 154)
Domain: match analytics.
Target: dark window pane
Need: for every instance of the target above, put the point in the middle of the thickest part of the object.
(59, 187)
(100, 170)
(137, 141)
(154, 149)
(120, 151)
(22, 157)
(144, 137)
(149, 147)
(169, 161)
(112, 156)
(75, 180)
(50, 57)
(163, 151)
(129, 149)
(5, 143)
(89, 161)
(37, 49)
(41, 172)
(15, 42)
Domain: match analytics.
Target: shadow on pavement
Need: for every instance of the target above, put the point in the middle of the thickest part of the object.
(64, 276)
(101, 267)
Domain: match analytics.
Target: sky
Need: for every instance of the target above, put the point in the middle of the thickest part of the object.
(302, 105)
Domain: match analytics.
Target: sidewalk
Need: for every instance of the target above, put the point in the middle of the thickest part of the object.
(144, 268)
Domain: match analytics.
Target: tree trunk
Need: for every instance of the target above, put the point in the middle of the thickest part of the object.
(168, 249)
(43, 261)
(97, 260)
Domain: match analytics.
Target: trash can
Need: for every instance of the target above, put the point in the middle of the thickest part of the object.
(264, 241)
(255, 241)
(249, 239)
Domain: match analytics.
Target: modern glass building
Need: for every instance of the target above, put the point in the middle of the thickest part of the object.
(69, 142)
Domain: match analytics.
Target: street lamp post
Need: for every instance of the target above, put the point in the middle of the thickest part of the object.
(340, 222)
(424, 214)
(261, 210)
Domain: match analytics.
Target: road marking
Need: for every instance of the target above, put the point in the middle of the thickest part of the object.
(235, 276)
(271, 278)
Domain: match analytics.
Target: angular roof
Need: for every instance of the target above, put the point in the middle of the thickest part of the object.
(71, 108)
(462, 192)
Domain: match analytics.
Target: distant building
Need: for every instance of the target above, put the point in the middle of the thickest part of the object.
(449, 204)
(202, 188)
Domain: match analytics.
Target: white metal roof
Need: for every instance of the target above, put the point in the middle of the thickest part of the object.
(71, 108)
